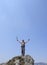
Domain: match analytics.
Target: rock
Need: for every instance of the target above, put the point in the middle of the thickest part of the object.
(20, 60)
(29, 60)
(3, 64)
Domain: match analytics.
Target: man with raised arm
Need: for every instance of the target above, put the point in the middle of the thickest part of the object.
(23, 46)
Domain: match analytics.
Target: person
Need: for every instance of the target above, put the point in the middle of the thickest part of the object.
(23, 46)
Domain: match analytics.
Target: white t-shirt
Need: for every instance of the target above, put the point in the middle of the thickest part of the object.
(22, 43)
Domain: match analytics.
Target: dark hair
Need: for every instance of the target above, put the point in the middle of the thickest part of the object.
(22, 40)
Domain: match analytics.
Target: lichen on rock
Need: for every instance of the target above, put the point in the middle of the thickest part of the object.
(21, 60)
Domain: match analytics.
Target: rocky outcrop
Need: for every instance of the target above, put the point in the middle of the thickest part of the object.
(20, 60)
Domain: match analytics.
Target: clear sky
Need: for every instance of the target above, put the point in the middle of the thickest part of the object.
(25, 19)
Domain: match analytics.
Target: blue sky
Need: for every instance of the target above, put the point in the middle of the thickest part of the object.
(25, 19)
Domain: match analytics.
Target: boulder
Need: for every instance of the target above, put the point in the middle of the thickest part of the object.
(20, 60)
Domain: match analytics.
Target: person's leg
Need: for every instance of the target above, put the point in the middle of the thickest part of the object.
(22, 50)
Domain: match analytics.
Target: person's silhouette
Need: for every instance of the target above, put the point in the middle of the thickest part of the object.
(23, 46)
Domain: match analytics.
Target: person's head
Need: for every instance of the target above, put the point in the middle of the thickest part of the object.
(22, 40)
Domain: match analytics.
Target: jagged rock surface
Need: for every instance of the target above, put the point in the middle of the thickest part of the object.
(21, 60)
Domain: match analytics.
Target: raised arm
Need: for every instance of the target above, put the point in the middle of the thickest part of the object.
(27, 41)
(17, 39)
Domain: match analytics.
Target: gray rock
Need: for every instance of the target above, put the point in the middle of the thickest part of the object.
(20, 60)
(3, 64)
(28, 60)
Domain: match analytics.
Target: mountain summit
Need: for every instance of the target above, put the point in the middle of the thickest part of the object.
(20, 60)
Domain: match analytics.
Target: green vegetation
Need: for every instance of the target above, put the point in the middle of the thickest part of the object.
(11, 62)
